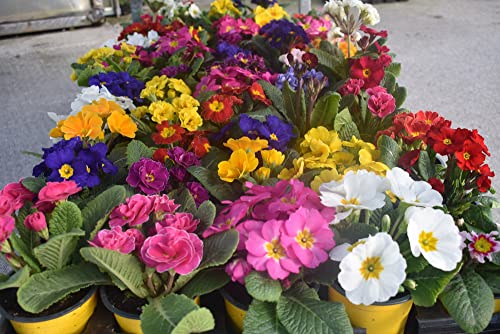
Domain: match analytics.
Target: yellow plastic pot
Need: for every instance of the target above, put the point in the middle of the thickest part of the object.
(378, 318)
(497, 304)
(235, 310)
(129, 323)
(70, 321)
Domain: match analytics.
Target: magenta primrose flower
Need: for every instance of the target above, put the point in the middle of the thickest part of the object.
(172, 249)
(114, 239)
(307, 237)
(180, 220)
(35, 221)
(7, 225)
(134, 211)
(482, 245)
(266, 252)
(238, 269)
(150, 176)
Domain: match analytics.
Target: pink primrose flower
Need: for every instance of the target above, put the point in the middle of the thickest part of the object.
(381, 104)
(266, 253)
(114, 239)
(482, 245)
(307, 237)
(351, 86)
(238, 269)
(163, 205)
(7, 225)
(138, 237)
(54, 192)
(244, 229)
(181, 220)
(229, 217)
(172, 249)
(17, 193)
(35, 221)
(6, 205)
(134, 211)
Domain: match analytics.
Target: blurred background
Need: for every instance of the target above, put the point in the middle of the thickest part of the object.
(449, 50)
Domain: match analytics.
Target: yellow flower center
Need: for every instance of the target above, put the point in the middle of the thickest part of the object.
(288, 200)
(274, 249)
(273, 137)
(483, 245)
(447, 141)
(150, 177)
(66, 171)
(466, 155)
(427, 241)
(415, 134)
(167, 132)
(87, 168)
(371, 268)
(216, 106)
(353, 201)
(367, 72)
(305, 239)
(174, 43)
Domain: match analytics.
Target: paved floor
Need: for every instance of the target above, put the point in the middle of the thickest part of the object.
(449, 51)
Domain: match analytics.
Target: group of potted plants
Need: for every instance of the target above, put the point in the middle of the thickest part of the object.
(259, 154)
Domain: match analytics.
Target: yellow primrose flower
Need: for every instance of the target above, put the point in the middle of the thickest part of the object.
(185, 101)
(103, 108)
(161, 111)
(325, 176)
(179, 86)
(239, 164)
(122, 124)
(321, 134)
(190, 119)
(265, 15)
(155, 87)
(84, 125)
(98, 55)
(342, 45)
(272, 158)
(262, 174)
(139, 112)
(295, 172)
(246, 144)
(367, 161)
(313, 163)
(223, 7)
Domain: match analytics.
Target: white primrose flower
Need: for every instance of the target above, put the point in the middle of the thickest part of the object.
(296, 56)
(357, 190)
(418, 193)
(369, 15)
(194, 11)
(433, 234)
(94, 93)
(373, 271)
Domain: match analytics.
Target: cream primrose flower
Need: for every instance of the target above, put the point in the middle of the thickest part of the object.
(357, 190)
(369, 15)
(433, 234)
(296, 56)
(137, 39)
(194, 11)
(419, 193)
(373, 271)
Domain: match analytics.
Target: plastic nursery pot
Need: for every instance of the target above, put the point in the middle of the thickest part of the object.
(236, 301)
(378, 318)
(497, 304)
(72, 320)
(130, 323)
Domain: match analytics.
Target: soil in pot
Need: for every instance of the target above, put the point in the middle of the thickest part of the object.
(8, 300)
(125, 301)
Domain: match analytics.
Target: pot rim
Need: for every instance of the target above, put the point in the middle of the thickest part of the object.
(53, 316)
(226, 295)
(113, 309)
(392, 301)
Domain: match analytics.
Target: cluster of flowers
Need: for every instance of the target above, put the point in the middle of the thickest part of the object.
(170, 242)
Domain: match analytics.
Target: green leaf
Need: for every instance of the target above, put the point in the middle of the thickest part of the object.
(24, 251)
(357, 231)
(305, 316)
(65, 218)
(331, 62)
(492, 278)
(86, 74)
(389, 82)
(400, 94)
(345, 126)
(430, 283)
(205, 282)
(325, 274)
(495, 258)
(389, 151)
(34, 184)
(301, 290)
(206, 214)
(100, 207)
(261, 318)
(29, 236)
(162, 315)
(46, 288)
(480, 218)
(394, 68)
(274, 94)
(211, 181)
(124, 269)
(197, 321)
(469, 301)
(58, 250)
(184, 198)
(136, 150)
(294, 111)
(425, 166)
(262, 288)
(17, 280)
(325, 110)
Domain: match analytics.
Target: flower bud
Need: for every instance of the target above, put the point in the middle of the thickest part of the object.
(386, 223)
(410, 284)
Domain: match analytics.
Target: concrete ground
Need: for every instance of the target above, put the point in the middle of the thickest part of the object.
(449, 51)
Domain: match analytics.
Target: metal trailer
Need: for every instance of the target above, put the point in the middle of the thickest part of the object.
(25, 16)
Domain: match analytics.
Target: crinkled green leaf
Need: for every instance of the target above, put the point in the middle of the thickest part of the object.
(34, 184)
(205, 281)
(262, 288)
(325, 110)
(65, 218)
(58, 250)
(389, 151)
(136, 150)
(17, 279)
(261, 318)
(211, 181)
(197, 321)
(430, 283)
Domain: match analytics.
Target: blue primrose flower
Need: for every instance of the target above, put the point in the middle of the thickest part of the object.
(68, 160)
(119, 84)
(263, 3)
(277, 132)
(288, 76)
(281, 34)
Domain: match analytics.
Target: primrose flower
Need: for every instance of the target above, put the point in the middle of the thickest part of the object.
(238, 269)
(219, 108)
(265, 15)
(161, 111)
(267, 253)
(239, 164)
(482, 245)
(358, 190)
(307, 236)
(272, 158)
(114, 239)
(373, 271)
(223, 7)
(135, 211)
(190, 119)
(85, 124)
(7, 226)
(419, 193)
(150, 176)
(434, 234)
(155, 87)
(246, 144)
(122, 124)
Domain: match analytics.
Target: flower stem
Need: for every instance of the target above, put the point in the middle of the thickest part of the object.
(170, 283)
